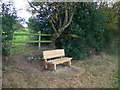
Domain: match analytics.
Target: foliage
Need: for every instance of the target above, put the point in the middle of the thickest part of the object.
(8, 20)
(20, 37)
(59, 14)
(39, 23)
(88, 24)
(108, 36)
(90, 31)
(112, 12)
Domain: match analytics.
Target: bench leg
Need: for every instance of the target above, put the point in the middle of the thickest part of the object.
(54, 67)
(69, 63)
(46, 66)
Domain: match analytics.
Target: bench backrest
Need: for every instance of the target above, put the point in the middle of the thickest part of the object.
(53, 53)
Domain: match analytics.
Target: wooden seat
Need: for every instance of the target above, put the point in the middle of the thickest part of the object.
(53, 54)
(60, 60)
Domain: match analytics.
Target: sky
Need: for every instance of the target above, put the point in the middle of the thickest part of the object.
(21, 7)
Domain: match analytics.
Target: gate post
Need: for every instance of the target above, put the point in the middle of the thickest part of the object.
(39, 40)
(10, 49)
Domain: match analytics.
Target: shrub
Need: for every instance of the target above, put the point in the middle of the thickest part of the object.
(88, 24)
(8, 21)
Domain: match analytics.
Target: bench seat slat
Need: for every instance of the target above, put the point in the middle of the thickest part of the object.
(53, 53)
(60, 60)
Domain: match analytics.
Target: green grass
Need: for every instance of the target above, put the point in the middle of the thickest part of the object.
(20, 38)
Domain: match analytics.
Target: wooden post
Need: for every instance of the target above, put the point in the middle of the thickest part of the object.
(10, 49)
(39, 40)
(69, 63)
(45, 64)
(54, 67)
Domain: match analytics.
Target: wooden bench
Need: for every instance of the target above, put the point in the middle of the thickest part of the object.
(58, 54)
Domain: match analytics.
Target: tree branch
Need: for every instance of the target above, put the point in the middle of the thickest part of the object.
(66, 15)
(68, 23)
(65, 25)
(33, 7)
(53, 26)
(60, 23)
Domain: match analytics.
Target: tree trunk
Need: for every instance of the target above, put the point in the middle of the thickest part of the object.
(52, 45)
(58, 44)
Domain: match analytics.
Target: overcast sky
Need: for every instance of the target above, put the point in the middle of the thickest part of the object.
(21, 7)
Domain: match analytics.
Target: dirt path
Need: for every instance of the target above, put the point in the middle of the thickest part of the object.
(22, 63)
(38, 68)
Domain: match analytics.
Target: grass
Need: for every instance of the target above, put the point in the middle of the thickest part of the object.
(20, 38)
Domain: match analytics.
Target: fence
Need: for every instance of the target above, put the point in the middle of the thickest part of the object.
(30, 34)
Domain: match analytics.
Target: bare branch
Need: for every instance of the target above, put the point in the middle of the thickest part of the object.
(60, 23)
(33, 7)
(53, 26)
(64, 26)
(69, 21)
(66, 15)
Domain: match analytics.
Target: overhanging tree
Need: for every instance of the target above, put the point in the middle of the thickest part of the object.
(59, 14)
